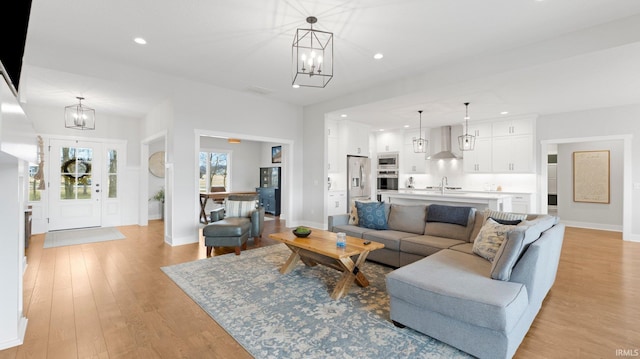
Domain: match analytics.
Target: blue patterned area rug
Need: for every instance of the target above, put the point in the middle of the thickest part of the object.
(293, 316)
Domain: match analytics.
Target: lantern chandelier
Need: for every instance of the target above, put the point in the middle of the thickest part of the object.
(466, 142)
(79, 117)
(312, 57)
(420, 144)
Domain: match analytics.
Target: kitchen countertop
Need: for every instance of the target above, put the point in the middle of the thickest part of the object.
(496, 201)
(429, 190)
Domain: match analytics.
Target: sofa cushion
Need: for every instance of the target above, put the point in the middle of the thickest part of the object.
(426, 245)
(449, 214)
(464, 248)
(448, 230)
(407, 218)
(490, 238)
(372, 215)
(228, 227)
(478, 221)
(390, 239)
(456, 285)
(515, 244)
(351, 230)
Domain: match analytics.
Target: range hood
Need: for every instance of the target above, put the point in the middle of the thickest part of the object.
(445, 144)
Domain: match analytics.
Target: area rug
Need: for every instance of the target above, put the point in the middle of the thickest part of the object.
(81, 236)
(293, 316)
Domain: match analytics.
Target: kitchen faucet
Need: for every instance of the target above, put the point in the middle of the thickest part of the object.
(444, 181)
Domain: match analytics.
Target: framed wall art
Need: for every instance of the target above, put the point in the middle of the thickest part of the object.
(591, 176)
(276, 154)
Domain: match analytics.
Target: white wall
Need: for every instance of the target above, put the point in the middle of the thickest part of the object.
(614, 121)
(590, 215)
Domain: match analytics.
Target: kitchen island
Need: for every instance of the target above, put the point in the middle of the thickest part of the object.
(499, 202)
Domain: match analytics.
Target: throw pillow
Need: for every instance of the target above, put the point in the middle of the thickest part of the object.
(490, 238)
(353, 215)
(372, 215)
(239, 208)
(508, 254)
(507, 216)
(506, 221)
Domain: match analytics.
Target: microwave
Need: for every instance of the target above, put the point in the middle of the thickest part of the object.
(388, 160)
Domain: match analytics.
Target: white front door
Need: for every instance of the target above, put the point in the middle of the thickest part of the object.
(75, 184)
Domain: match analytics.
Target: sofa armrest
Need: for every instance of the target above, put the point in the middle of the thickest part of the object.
(257, 222)
(539, 264)
(338, 220)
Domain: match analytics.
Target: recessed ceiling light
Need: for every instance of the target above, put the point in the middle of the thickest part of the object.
(382, 129)
(139, 40)
(378, 56)
(504, 112)
(295, 86)
(406, 126)
(343, 115)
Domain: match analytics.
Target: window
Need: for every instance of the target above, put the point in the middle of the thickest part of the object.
(214, 170)
(112, 173)
(36, 183)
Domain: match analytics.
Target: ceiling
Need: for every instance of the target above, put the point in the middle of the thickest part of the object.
(85, 48)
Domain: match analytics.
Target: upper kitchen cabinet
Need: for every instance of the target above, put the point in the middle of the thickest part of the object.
(513, 127)
(478, 160)
(388, 141)
(513, 154)
(411, 162)
(480, 130)
(355, 137)
(332, 146)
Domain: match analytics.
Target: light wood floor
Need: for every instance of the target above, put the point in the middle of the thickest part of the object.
(111, 300)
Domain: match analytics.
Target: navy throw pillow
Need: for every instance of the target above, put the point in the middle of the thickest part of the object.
(371, 215)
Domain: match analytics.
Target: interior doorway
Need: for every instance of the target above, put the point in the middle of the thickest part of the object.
(590, 215)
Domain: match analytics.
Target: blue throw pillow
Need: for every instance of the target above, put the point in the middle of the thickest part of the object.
(371, 215)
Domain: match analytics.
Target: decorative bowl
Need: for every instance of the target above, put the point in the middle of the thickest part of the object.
(301, 235)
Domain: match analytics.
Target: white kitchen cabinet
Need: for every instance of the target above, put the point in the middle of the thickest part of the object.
(332, 146)
(513, 154)
(337, 203)
(480, 159)
(332, 155)
(512, 127)
(480, 130)
(521, 203)
(355, 137)
(388, 141)
(411, 162)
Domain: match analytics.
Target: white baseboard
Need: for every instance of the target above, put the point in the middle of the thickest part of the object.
(588, 225)
(19, 339)
(181, 240)
(633, 238)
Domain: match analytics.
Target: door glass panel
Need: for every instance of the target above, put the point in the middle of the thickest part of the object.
(75, 173)
(112, 169)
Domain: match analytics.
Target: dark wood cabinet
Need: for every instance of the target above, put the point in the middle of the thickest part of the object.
(269, 199)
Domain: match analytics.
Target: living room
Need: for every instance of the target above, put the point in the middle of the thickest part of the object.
(582, 74)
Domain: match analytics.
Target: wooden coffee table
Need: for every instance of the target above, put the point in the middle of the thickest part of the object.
(320, 248)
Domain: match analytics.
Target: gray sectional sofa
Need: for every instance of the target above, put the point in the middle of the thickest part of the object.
(443, 289)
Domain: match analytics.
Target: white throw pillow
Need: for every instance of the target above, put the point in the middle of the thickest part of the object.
(490, 238)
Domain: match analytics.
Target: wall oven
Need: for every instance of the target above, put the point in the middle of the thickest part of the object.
(388, 183)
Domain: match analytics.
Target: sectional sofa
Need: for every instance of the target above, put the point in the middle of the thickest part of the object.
(444, 289)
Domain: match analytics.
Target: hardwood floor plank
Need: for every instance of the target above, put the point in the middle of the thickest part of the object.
(111, 300)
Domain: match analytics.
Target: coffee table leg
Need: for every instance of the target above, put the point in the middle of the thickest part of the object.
(348, 275)
(291, 261)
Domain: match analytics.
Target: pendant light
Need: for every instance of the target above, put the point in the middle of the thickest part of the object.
(420, 144)
(79, 116)
(466, 142)
(312, 56)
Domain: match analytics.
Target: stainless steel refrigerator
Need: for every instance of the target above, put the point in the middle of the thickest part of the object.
(358, 177)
